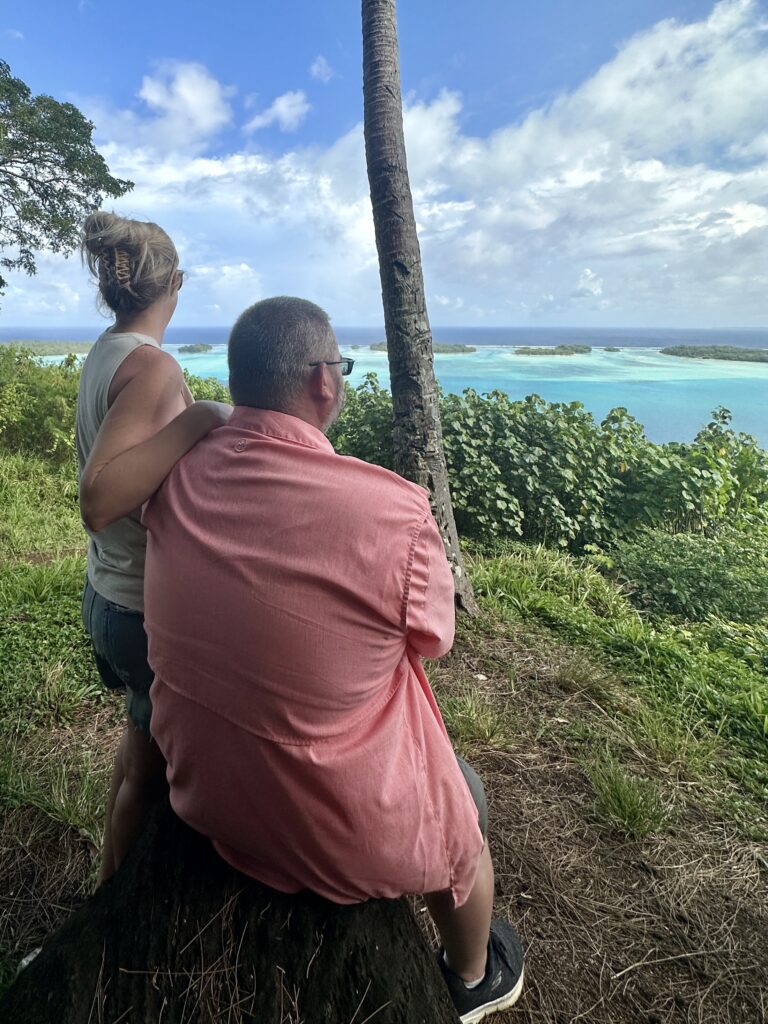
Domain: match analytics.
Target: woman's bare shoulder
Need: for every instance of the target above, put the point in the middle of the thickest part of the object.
(146, 359)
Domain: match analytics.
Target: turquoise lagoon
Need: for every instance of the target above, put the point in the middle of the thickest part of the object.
(670, 396)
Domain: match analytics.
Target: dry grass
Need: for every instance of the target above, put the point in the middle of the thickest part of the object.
(670, 929)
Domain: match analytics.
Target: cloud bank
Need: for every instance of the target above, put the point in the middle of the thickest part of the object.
(638, 198)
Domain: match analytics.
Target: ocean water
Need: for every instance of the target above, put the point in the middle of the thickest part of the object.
(671, 397)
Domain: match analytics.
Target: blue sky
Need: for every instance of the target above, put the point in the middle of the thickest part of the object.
(596, 164)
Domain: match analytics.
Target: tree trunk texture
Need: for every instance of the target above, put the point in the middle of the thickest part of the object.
(178, 937)
(417, 434)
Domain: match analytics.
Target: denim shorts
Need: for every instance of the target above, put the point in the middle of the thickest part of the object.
(120, 652)
(477, 790)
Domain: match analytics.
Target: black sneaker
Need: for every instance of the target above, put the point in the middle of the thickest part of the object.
(503, 981)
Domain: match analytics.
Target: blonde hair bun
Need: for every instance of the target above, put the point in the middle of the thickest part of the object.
(134, 261)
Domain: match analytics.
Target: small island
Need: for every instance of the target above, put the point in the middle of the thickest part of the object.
(558, 350)
(731, 353)
(438, 349)
(189, 350)
(51, 348)
(612, 348)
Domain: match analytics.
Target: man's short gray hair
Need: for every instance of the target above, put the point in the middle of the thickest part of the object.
(270, 348)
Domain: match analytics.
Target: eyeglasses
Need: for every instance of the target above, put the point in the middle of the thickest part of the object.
(180, 278)
(345, 364)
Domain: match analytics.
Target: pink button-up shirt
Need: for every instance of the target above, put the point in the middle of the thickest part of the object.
(290, 593)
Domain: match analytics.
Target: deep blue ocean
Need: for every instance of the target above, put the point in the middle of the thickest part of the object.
(671, 397)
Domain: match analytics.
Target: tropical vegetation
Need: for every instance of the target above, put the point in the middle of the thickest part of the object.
(553, 350)
(51, 175)
(733, 353)
(439, 348)
(195, 349)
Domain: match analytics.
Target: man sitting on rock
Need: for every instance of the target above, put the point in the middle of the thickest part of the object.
(290, 596)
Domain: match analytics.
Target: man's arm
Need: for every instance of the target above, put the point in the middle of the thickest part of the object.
(431, 610)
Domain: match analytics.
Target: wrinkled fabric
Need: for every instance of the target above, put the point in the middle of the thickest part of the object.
(290, 595)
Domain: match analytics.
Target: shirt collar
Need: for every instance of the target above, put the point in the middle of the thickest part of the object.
(279, 425)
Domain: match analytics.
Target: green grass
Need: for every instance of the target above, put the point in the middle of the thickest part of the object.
(39, 512)
(630, 804)
(700, 705)
(68, 786)
(48, 679)
(474, 719)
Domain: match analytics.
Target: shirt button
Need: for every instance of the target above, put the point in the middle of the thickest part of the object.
(240, 445)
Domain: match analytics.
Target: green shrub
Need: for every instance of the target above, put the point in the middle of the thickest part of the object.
(696, 576)
(37, 404)
(548, 473)
(365, 426)
(746, 641)
(207, 388)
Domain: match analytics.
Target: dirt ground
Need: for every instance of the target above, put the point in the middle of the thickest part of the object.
(668, 930)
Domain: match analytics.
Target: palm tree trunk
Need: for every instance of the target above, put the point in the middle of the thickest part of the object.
(417, 435)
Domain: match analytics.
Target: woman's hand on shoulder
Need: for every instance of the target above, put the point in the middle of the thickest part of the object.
(218, 412)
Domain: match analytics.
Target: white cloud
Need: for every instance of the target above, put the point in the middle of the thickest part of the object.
(447, 302)
(14, 33)
(321, 69)
(187, 97)
(589, 286)
(228, 286)
(57, 301)
(183, 108)
(287, 111)
(644, 192)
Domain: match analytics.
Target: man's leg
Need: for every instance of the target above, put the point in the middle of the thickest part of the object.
(482, 960)
(464, 930)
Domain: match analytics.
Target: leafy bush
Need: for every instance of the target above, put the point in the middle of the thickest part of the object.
(365, 426)
(207, 388)
(548, 473)
(747, 641)
(37, 404)
(698, 576)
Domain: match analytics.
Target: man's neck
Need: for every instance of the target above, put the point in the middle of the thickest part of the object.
(300, 411)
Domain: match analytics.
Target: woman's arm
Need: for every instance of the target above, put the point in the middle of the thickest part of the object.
(144, 434)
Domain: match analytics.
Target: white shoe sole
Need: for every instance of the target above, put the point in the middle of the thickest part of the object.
(503, 1003)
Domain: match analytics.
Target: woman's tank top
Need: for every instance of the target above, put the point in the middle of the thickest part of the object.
(116, 553)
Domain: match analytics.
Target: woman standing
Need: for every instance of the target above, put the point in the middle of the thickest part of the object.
(135, 419)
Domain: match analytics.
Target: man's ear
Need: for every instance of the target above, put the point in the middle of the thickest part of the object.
(321, 383)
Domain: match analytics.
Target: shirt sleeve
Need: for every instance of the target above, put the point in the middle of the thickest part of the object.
(430, 618)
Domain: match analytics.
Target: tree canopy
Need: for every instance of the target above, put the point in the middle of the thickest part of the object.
(51, 174)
